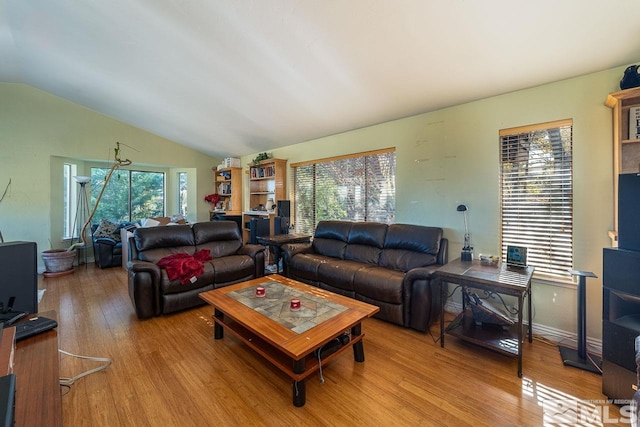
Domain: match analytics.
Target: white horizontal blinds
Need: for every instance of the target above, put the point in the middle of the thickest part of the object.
(537, 195)
(304, 215)
(354, 188)
(381, 188)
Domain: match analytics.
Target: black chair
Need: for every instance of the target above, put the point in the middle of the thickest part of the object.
(107, 251)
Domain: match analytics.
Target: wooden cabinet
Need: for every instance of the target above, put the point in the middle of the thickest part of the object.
(267, 185)
(626, 140)
(229, 188)
(267, 182)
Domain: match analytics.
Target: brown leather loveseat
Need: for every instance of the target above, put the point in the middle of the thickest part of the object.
(389, 266)
(153, 293)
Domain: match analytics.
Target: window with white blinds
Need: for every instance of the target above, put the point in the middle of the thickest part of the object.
(360, 187)
(537, 195)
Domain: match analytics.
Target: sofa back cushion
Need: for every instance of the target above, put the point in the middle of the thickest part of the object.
(330, 238)
(222, 238)
(409, 246)
(365, 242)
(154, 243)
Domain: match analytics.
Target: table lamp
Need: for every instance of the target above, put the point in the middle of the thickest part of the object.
(467, 249)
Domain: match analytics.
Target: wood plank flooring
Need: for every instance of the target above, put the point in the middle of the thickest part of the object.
(168, 371)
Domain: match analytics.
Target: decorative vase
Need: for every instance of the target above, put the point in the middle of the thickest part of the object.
(58, 262)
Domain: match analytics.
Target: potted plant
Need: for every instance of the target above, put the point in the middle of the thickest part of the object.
(58, 262)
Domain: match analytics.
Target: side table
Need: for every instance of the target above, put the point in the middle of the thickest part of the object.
(491, 280)
(278, 240)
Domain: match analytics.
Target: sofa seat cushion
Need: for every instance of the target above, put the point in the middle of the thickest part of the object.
(174, 286)
(181, 300)
(306, 265)
(231, 268)
(340, 273)
(379, 284)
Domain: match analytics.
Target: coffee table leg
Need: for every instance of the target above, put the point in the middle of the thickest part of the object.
(358, 348)
(299, 387)
(218, 331)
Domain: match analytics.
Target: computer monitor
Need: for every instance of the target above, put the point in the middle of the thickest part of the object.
(19, 276)
(516, 256)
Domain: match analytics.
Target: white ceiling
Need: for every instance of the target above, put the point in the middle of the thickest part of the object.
(235, 77)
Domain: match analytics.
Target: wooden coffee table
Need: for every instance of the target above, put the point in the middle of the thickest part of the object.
(290, 339)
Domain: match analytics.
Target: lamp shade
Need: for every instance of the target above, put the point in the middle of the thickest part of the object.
(82, 179)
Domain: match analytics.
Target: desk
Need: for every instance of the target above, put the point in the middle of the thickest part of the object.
(37, 370)
(277, 241)
(491, 280)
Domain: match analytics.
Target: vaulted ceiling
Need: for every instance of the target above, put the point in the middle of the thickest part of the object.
(235, 77)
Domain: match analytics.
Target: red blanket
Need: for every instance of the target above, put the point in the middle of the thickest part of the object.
(184, 266)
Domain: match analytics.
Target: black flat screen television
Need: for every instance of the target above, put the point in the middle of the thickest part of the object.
(19, 276)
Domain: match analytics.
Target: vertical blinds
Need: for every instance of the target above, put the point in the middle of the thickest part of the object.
(537, 195)
(354, 188)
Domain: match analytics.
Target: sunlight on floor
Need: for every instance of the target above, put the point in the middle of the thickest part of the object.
(561, 408)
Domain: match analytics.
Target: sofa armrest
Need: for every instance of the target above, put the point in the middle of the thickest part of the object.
(105, 241)
(144, 283)
(421, 297)
(256, 252)
(443, 253)
(291, 249)
(251, 250)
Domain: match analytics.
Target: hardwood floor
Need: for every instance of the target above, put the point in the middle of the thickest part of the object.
(168, 371)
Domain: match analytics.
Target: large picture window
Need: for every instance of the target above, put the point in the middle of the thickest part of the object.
(129, 196)
(359, 187)
(537, 195)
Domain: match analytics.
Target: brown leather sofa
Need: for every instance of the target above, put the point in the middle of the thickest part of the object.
(153, 293)
(389, 266)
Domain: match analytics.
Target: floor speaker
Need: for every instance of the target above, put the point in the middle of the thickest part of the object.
(629, 211)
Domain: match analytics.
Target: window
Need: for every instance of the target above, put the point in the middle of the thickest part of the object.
(129, 196)
(360, 187)
(537, 195)
(182, 193)
(69, 199)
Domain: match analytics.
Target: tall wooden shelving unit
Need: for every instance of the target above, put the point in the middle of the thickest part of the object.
(626, 149)
(620, 294)
(229, 189)
(267, 180)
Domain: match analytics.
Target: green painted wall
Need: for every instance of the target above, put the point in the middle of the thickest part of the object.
(444, 158)
(39, 132)
(450, 156)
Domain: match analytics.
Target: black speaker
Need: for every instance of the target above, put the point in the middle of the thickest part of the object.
(284, 212)
(281, 225)
(19, 275)
(284, 208)
(629, 211)
(258, 227)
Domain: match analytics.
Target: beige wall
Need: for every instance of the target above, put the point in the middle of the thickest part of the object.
(39, 131)
(450, 156)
